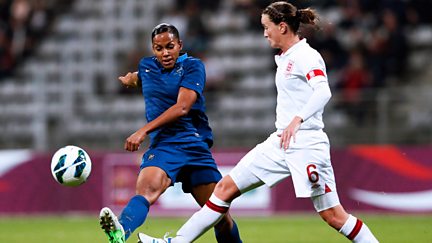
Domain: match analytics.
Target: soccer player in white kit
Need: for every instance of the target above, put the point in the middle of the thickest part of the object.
(299, 148)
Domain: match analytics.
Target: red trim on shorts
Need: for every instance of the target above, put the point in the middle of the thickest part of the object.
(356, 230)
(314, 73)
(327, 189)
(216, 208)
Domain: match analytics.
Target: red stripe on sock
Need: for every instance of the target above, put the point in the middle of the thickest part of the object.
(216, 208)
(356, 230)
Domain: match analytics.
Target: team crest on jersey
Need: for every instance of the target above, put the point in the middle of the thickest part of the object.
(179, 71)
(289, 68)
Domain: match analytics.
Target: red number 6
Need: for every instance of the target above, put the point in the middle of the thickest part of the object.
(312, 173)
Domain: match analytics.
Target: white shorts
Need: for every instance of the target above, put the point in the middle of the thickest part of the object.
(246, 181)
(307, 161)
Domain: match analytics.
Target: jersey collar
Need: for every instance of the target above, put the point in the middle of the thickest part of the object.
(182, 57)
(297, 45)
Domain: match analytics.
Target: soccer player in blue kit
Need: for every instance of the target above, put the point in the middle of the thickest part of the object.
(180, 137)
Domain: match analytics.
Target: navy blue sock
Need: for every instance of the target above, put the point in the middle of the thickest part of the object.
(134, 214)
(232, 237)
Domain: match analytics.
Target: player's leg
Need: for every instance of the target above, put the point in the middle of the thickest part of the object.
(330, 210)
(201, 221)
(226, 229)
(201, 181)
(319, 178)
(213, 211)
(265, 157)
(151, 183)
(239, 180)
(251, 172)
(313, 177)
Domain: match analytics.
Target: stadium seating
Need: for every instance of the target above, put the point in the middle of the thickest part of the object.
(67, 92)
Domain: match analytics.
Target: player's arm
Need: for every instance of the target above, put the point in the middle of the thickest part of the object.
(191, 87)
(320, 96)
(185, 100)
(130, 80)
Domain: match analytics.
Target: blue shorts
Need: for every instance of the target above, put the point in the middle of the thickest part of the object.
(192, 164)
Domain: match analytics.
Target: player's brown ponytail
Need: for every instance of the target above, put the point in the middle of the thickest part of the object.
(286, 12)
(308, 16)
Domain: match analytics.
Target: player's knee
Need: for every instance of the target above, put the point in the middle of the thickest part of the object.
(226, 190)
(150, 193)
(151, 189)
(221, 188)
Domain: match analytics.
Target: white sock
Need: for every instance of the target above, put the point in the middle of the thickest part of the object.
(357, 231)
(203, 220)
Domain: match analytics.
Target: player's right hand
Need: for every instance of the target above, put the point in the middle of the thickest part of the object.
(290, 132)
(134, 141)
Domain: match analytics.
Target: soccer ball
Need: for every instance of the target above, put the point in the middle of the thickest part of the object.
(71, 166)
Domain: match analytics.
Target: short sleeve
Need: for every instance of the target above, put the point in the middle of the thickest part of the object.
(194, 76)
(141, 67)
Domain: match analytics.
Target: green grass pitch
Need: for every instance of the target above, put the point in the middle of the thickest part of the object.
(281, 229)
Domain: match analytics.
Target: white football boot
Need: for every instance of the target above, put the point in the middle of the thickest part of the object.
(143, 238)
(111, 226)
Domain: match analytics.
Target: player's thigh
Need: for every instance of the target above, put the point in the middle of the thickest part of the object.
(202, 193)
(311, 170)
(152, 182)
(264, 163)
(327, 204)
(243, 179)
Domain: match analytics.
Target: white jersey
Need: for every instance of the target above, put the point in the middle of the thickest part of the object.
(300, 70)
(303, 91)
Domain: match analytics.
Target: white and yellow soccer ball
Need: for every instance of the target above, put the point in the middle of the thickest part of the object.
(71, 166)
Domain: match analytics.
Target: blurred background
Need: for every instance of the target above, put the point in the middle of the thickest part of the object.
(60, 61)
(59, 68)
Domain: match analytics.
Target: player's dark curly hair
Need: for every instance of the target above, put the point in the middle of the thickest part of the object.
(164, 27)
(286, 12)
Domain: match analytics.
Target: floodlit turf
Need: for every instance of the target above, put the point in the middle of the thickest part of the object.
(289, 228)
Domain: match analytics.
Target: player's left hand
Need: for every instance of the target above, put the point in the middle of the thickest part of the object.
(289, 132)
(129, 80)
(134, 141)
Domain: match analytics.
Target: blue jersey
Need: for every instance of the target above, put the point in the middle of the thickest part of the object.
(160, 89)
